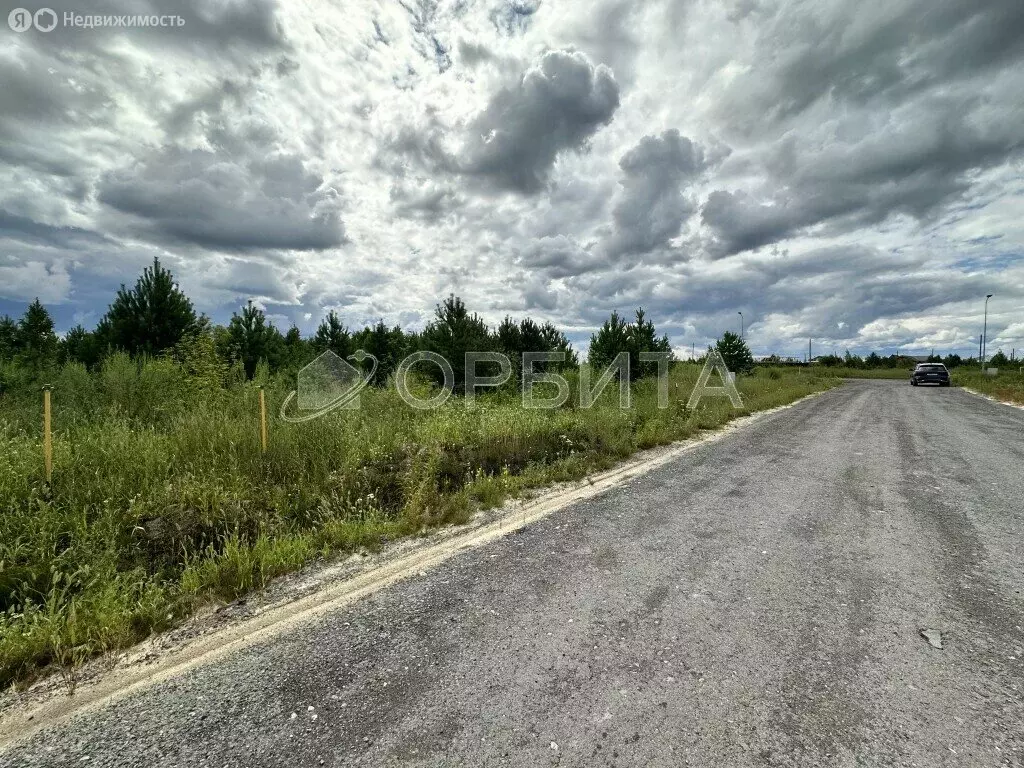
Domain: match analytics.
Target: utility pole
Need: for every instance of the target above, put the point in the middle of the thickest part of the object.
(979, 351)
(741, 325)
(808, 351)
(984, 334)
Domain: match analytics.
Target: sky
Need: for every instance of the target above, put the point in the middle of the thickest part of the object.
(847, 172)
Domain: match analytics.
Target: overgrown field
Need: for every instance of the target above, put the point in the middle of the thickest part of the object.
(1008, 385)
(162, 500)
(871, 373)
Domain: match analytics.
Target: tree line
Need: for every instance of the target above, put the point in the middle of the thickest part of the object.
(874, 360)
(155, 318)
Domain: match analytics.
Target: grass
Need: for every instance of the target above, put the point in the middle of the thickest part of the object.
(162, 501)
(1007, 385)
(871, 373)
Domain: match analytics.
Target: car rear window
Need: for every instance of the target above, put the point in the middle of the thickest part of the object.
(931, 367)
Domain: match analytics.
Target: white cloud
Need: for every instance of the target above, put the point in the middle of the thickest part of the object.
(28, 280)
(858, 182)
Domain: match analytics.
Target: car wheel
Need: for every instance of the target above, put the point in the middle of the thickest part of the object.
(913, 383)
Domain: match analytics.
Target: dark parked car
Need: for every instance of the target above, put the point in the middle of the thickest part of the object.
(930, 373)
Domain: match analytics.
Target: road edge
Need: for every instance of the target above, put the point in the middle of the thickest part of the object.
(57, 707)
(991, 399)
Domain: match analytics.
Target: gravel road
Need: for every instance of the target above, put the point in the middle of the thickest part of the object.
(757, 602)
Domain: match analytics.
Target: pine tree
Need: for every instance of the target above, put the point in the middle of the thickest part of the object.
(644, 338)
(298, 351)
(952, 361)
(616, 336)
(453, 333)
(736, 353)
(556, 341)
(151, 317)
(81, 346)
(251, 338)
(611, 339)
(513, 339)
(510, 340)
(333, 335)
(388, 345)
(8, 338)
(531, 337)
(35, 341)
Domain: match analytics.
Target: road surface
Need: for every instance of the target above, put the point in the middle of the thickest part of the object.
(756, 602)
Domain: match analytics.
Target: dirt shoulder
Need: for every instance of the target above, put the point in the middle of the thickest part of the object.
(290, 600)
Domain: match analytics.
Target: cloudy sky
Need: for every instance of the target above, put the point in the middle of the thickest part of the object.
(847, 171)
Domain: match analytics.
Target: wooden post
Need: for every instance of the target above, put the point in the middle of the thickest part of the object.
(263, 420)
(47, 441)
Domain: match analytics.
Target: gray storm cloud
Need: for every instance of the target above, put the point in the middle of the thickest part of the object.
(201, 198)
(557, 106)
(844, 170)
(651, 208)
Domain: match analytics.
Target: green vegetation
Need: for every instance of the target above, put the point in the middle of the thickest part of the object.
(617, 335)
(874, 366)
(735, 353)
(161, 499)
(1007, 385)
(871, 373)
(150, 318)
(875, 362)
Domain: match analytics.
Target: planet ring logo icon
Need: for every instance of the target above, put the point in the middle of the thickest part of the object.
(326, 384)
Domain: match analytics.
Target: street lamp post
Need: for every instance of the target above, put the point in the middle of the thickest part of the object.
(984, 334)
(741, 325)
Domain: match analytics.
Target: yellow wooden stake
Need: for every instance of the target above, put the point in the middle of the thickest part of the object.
(47, 441)
(263, 420)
